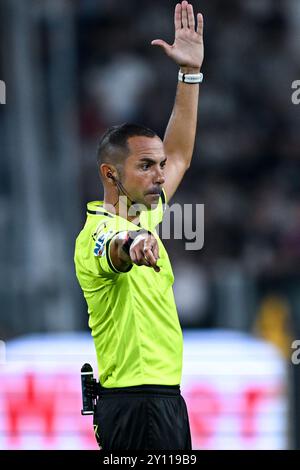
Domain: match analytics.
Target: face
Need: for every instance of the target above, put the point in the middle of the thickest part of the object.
(143, 175)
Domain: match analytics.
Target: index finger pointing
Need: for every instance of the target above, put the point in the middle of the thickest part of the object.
(151, 259)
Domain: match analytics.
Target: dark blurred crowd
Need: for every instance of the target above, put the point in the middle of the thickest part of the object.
(246, 159)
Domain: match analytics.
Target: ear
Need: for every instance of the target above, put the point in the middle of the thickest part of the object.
(107, 172)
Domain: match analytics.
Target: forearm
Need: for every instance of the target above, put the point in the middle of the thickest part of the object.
(180, 134)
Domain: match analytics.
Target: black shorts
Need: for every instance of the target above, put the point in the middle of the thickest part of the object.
(142, 418)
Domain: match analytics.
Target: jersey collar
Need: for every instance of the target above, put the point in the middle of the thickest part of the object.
(96, 208)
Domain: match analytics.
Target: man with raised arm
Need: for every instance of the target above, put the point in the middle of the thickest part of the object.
(125, 273)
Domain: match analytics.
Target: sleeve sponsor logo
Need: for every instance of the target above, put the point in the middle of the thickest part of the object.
(99, 249)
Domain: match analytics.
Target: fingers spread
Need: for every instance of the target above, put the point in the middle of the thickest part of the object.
(191, 17)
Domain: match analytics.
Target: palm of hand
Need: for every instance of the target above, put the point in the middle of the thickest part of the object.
(187, 49)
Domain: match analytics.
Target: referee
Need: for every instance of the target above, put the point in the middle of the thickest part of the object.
(124, 269)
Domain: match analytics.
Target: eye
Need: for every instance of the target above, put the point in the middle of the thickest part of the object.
(163, 164)
(145, 166)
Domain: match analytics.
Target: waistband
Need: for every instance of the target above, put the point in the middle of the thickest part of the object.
(140, 389)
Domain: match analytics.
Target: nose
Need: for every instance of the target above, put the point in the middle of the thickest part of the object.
(160, 177)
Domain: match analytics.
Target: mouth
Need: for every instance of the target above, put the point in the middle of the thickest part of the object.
(153, 194)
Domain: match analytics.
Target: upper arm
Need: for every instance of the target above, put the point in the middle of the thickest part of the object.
(174, 172)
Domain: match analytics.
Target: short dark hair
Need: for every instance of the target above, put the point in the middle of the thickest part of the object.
(113, 147)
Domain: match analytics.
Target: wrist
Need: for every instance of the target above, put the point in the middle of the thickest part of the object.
(192, 70)
(128, 238)
(190, 78)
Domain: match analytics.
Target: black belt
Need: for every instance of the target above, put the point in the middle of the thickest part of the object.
(142, 389)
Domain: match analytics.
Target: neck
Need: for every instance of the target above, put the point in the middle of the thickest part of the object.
(122, 208)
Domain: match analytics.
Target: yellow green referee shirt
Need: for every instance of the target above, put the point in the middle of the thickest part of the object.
(132, 315)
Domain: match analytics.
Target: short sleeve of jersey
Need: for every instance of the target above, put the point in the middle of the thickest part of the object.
(102, 237)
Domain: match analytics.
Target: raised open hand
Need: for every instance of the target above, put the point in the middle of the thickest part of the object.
(187, 50)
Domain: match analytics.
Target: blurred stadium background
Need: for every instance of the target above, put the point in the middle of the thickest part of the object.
(73, 68)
